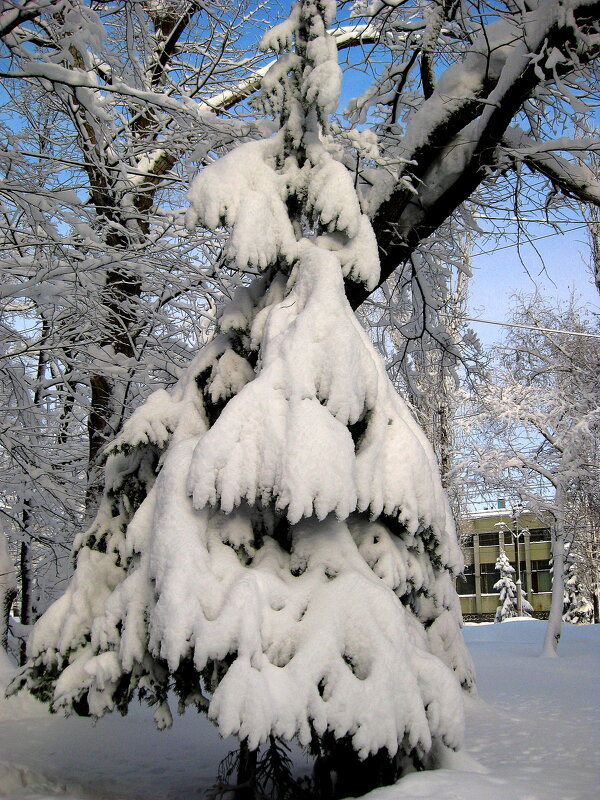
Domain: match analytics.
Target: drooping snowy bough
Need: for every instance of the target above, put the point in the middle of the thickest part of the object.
(274, 542)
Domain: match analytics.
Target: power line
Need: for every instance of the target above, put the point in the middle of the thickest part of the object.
(535, 220)
(533, 328)
(529, 241)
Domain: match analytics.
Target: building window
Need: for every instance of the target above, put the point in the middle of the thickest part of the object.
(465, 584)
(539, 535)
(488, 539)
(541, 577)
(489, 576)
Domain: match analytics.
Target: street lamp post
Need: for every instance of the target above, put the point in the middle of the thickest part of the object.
(515, 535)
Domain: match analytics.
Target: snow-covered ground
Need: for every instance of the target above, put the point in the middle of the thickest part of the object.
(533, 734)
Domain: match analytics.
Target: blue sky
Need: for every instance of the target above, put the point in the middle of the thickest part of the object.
(497, 275)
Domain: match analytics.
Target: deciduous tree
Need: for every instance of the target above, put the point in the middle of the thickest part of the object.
(535, 426)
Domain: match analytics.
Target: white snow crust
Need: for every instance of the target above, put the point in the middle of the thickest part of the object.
(245, 186)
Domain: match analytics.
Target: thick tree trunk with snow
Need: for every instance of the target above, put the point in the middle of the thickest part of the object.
(8, 589)
(553, 629)
(27, 587)
(460, 131)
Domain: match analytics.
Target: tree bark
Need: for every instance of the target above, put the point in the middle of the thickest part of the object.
(553, 629)
(28, 610)
(8, 590)
(246, 776)
(7, 597)
(26, 570)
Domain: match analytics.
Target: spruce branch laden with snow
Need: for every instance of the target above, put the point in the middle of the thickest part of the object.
(274, 542)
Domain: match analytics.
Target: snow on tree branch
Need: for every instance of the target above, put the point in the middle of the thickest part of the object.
(450, 142)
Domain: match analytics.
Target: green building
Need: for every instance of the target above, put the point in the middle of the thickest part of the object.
(483, 534)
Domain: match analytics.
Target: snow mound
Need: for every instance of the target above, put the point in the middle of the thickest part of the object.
(443, 784)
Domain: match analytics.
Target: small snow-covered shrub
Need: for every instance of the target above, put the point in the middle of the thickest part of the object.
(507, 605)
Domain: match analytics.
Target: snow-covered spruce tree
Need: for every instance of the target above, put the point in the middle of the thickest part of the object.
(578, 609)
(274, 542)
(507, 605)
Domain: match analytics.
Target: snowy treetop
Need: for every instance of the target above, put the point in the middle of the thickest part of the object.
(259, 180)
(317, 370)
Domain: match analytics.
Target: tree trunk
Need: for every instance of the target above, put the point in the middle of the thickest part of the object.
(8, 590)
(27, 606)
(553, 629)
(7, 597)
(25, 557)
(445, 443)
(246, 777)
